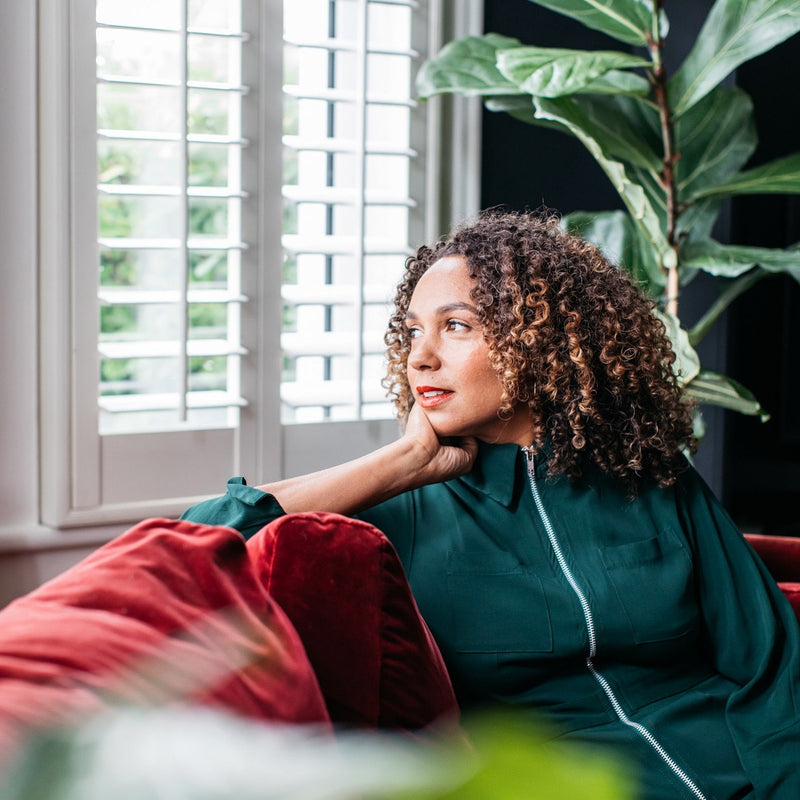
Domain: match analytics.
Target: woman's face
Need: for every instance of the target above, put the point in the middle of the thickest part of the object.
(448, 366)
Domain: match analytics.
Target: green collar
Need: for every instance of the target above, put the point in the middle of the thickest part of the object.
(495, 472)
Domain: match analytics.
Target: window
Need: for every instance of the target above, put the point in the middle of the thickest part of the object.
(228, 191)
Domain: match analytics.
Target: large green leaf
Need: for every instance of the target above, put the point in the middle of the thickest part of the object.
(614, 82)
(734, 32)
(650, 181)
(732, 260)
(468, 67)
(781, 176)
(618, 82)
(625, 20)
(621, 243)
(553, 72)
(714, 139)
(687, 362)
(596, 139)
(695, 224)
(630, 131)
(627, 129)
(519, 106)
(697, 221)
(714, 389)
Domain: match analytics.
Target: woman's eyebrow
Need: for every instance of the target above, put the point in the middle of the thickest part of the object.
(449, 308)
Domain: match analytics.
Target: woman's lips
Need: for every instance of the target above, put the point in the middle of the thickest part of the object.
(432, 396)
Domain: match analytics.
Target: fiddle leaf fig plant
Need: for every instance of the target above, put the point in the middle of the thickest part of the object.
(674, 147)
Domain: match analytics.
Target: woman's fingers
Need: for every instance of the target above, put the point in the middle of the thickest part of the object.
(446, 458)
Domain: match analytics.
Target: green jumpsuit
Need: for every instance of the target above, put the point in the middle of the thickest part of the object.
(647, 625)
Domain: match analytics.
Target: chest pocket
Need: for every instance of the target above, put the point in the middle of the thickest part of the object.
(654, 583)
(497, 610)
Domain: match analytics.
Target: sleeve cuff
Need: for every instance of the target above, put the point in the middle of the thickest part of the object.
(243, 508)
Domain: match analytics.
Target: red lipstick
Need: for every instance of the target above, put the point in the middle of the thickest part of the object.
(432, 396)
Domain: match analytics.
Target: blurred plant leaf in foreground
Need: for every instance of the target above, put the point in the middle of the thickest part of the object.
(187, 753)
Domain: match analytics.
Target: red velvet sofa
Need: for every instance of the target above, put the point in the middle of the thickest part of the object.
(309, 621)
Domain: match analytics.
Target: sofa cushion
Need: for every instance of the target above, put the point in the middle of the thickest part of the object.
(169, 610)
(342, 584)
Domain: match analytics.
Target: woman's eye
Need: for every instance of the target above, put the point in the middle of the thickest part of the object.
(413, 333)
(455, 325)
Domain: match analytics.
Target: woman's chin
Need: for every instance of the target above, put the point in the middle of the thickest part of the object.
(450, 434)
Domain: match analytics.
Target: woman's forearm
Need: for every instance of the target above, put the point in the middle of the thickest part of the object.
(355, 485)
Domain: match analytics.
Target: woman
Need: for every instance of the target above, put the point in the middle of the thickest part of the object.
(566, 556)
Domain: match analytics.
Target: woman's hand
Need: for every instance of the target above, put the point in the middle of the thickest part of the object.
(440, 459)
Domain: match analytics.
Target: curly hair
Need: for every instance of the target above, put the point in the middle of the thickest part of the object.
(570, 337)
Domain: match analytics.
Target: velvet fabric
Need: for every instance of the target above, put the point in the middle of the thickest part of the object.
(781, 556)
(169, 610)
(341, 583)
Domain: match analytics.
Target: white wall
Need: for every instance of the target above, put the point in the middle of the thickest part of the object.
(29, 554)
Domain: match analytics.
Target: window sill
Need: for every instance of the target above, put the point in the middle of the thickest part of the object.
(24, 538)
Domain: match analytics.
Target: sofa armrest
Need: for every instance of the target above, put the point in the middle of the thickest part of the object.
(781, 556)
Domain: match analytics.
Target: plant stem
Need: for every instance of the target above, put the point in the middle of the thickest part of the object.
(658, 81)
(735, 288)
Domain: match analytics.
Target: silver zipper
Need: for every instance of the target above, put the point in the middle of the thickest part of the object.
(590, 630)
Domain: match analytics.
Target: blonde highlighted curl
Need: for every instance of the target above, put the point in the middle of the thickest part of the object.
(571, 338)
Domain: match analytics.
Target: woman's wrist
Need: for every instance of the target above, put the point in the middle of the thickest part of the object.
(406, 465)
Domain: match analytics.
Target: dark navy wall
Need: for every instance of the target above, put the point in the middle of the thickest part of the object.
(763, 460)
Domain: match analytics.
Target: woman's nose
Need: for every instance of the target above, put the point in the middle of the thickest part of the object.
(424, 354)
